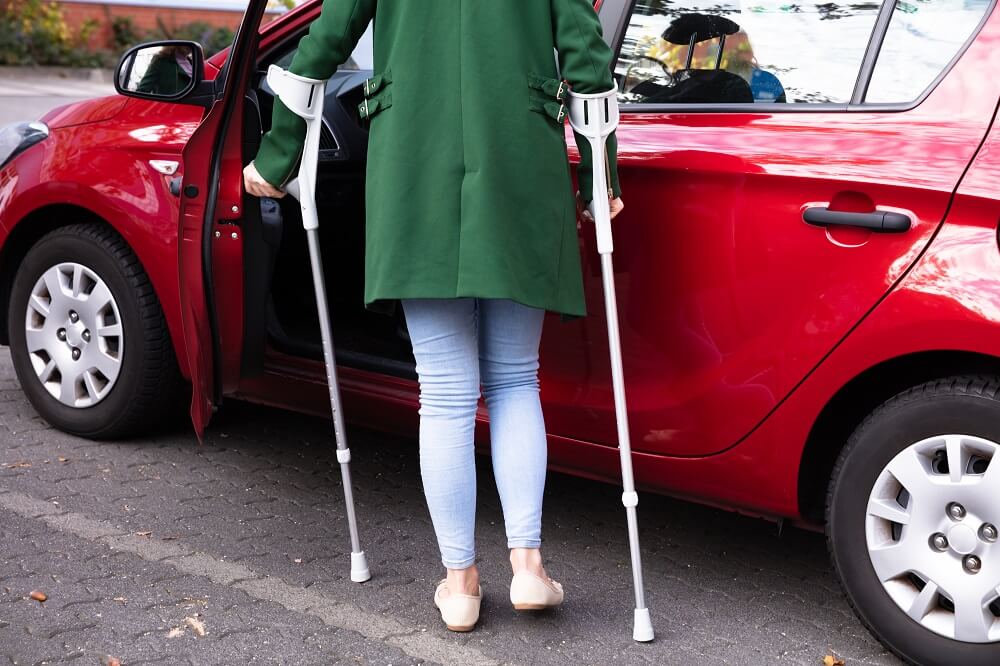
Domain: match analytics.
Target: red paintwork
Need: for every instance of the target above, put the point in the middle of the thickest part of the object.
(740, 322)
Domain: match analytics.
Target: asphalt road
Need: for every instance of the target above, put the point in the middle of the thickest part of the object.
(28, 99)
(140, 546)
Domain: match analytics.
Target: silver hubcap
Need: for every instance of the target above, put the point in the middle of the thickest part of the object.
(931, 530)
(74, 335)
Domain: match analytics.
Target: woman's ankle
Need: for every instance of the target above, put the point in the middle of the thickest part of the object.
(529, 559)
(464, 581)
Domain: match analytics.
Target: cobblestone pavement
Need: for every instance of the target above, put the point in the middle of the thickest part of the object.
(246, 536)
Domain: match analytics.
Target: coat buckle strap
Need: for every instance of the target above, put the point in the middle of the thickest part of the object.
(373, 105)
(553, 87)
(557, 111)
(375, 83)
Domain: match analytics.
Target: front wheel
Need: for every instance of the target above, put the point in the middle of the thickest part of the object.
(913, 513)
(88, 338)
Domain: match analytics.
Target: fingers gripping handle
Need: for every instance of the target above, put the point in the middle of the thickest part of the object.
(595, 116)
(304, 97)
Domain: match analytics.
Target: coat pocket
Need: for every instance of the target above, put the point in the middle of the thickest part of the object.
(378, 95)
(548, 95)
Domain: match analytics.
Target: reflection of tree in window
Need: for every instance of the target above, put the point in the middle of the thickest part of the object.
(803, 53)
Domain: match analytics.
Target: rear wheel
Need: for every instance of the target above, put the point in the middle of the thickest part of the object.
(913, 513)
(88, 338)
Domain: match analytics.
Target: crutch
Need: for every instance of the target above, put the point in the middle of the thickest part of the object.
(595, 116)
(304, 97)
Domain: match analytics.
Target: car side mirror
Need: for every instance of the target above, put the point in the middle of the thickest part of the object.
(168, 71)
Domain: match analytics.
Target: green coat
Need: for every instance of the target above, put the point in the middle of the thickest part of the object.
(468, 187)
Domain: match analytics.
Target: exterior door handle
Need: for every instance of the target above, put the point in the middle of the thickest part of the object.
(879, 220)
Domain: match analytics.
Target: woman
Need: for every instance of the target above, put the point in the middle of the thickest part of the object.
(471, 225)
(169, 71)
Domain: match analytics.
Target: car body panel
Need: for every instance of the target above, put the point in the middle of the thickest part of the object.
(95, 110)
(748, 297)
(104, 167)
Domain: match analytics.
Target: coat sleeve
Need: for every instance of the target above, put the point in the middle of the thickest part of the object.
(585, 61)
(327, 45)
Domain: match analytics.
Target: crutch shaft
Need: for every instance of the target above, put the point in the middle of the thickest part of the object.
(329, 358)
(629, 497)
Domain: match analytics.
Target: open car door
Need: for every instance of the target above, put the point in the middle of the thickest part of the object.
(211, 197)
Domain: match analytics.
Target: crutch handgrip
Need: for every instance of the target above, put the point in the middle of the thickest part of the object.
(304, 97)
(595, 116)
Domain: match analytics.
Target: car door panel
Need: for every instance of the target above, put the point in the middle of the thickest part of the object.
(210, 196)
(727, 297)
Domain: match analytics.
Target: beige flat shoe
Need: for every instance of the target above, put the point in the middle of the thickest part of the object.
(529, 591)
(460, 612)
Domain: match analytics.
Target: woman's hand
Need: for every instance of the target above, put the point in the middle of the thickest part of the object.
(257, 186)
(616, 206)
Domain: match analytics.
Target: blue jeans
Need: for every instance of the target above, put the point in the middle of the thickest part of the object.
(458, 343)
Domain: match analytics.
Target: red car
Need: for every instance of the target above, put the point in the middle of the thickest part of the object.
(808, 269)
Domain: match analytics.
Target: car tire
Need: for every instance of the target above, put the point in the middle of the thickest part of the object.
(142, 382)
(923, 425)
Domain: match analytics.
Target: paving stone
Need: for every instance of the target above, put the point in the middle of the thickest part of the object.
(263, 496)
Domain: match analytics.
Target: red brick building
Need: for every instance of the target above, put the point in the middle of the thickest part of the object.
(145, 13)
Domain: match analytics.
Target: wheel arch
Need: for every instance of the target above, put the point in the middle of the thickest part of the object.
(45, 219)
(858, 398)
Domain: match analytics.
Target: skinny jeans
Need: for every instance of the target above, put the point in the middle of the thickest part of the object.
(460, 344)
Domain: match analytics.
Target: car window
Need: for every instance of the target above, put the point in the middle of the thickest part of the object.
(361, 58)
(771, 51)
(923, 37)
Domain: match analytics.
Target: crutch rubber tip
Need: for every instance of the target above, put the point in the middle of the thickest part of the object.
(642, 630)
(359, 567)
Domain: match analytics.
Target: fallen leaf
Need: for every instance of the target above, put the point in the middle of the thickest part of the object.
(121, 599)
(175, 632)
(108, 660)
(65, 459)
(297, 560)
(197, 626)
(830, 660)
(17, 464)
(143, 534)
(38, 595)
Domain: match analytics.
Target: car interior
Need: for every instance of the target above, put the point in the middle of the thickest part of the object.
(280, 306)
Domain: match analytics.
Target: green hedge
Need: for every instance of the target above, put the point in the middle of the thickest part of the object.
(33, 32)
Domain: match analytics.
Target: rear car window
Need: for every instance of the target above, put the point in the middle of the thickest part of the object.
(770, 51)
(924, 36)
